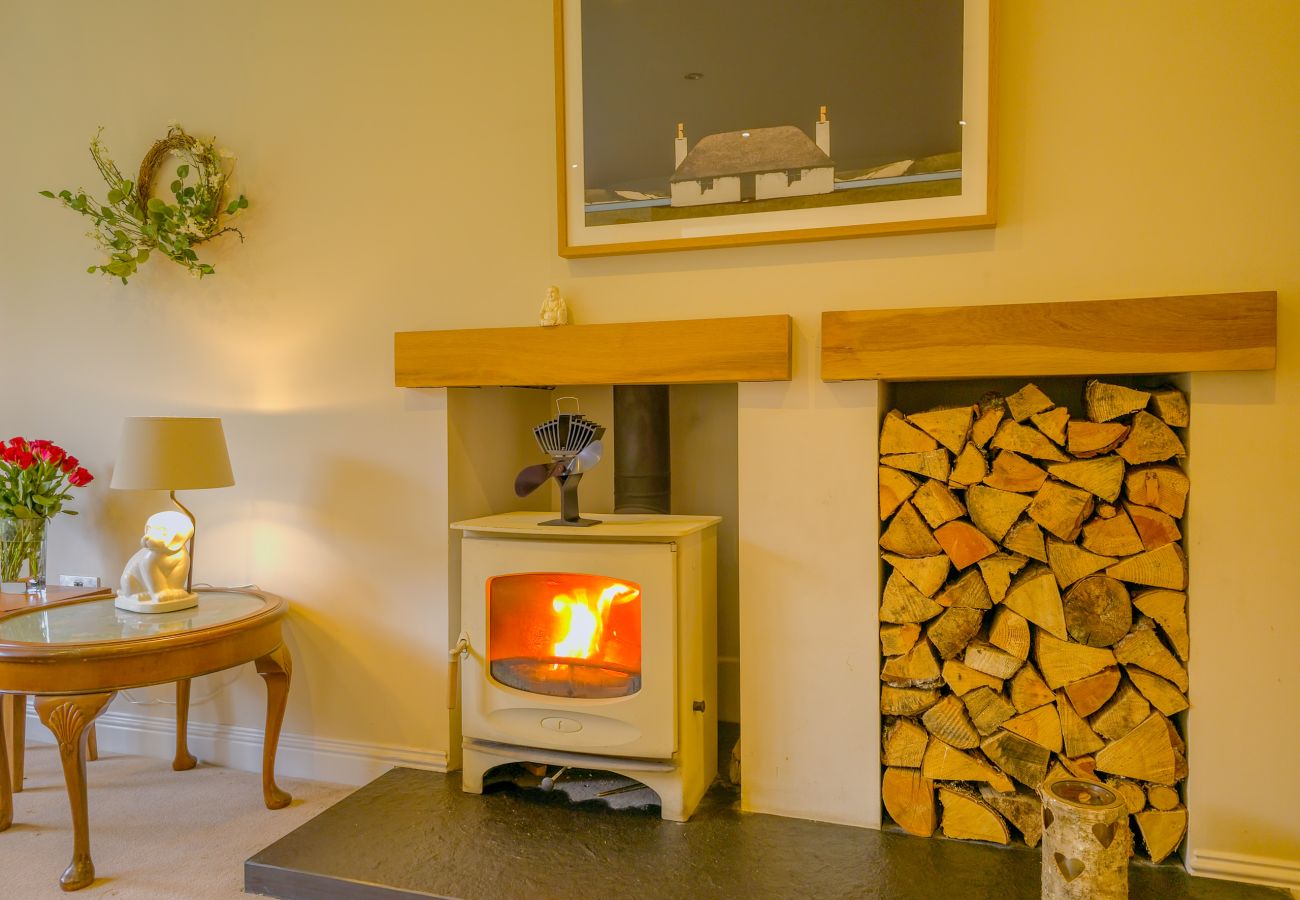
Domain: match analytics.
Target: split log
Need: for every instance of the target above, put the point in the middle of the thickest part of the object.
(990, 660)
(1113, 535)
(1084, 767)
(1169, 610)
(1170, 404)
(1142, 647)
(947, 720)
(901, 602)
(905, 744)
(909, 799)
(1163, 797)
(1079, 739)
(1165, 567)
(1162, 831)
(1087, 439)
(897, 435)
(952, 631)
(907, 535)
(994, 511)
(1026, 538)
(1155, 527)
(1027, 401)
(896, 487)
(1012, 472)
(1052, 424)
(1028, 690)
(986, 424)
(1104, 402)
(915, 668)
(1022, 759)
(1070, 562)
(967, 817)
(899, 701)
(1063, 662)
(926, 573)
(962, 679)
(1041, 725)
(1101, 476)
(1124, 711)
(896, 640)
(987, 709)
(1090, 694)
(943, 762)
(964, 543)
(970, 468)
(997, 571)
(937, 504)
(1009, 631)
(1026, 441)
(1105, 510)
(1022, 809)
(1035, 596)
(1086, 842)
(950, 427)
(1060, 509)
(1097, 610)
(1150, 441)
(1163, 486)
(1055, 772)
(931, 463)
(1135, 799)
(968, 590)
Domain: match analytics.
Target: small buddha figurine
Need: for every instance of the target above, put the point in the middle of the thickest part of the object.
(554, 310)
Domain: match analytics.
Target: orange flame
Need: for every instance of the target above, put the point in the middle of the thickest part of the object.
(584, 620)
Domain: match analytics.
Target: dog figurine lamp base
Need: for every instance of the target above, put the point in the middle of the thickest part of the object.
(154, 580)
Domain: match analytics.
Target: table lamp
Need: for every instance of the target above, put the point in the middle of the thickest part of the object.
(165, 453)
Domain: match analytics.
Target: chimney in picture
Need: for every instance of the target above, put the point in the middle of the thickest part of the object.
(681, 144)
(824, 132)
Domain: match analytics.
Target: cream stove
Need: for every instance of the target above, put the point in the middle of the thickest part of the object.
(594, 649)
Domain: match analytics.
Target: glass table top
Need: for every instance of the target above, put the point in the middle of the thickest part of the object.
(99, 620)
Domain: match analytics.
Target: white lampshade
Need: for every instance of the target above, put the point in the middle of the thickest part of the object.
(165, 453)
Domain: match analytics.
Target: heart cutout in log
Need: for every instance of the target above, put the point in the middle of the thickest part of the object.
(1047, 817)
(1070, 867)
(1104, 834)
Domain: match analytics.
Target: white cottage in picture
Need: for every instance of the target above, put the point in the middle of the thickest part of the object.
(758, 164)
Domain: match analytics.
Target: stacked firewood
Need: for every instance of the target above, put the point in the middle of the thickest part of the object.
(1034, 617)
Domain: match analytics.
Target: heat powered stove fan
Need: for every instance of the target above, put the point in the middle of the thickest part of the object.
(573, 443)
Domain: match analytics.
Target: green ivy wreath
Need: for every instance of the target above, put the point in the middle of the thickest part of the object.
(134, 223)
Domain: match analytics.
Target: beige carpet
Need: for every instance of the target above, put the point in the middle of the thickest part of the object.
(154, 833)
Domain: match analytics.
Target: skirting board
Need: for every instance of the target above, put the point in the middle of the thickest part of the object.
(1241, 867)
(236, 747)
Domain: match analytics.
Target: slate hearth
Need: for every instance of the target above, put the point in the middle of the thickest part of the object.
(412, 833)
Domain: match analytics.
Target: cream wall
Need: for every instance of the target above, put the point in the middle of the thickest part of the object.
(399, 160)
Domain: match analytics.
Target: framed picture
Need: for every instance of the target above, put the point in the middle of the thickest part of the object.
(685, 124)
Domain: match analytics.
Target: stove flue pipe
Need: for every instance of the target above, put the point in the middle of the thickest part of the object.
(642, 460)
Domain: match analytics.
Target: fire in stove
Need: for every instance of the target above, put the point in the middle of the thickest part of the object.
(565, 635)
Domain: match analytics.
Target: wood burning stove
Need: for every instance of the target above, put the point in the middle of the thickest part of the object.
(593, 649)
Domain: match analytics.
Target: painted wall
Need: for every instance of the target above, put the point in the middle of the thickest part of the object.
(1145, 149)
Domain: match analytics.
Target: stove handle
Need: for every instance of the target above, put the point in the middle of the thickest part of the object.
(453, 669)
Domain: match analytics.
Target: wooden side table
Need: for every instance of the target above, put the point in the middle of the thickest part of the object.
(74, 657)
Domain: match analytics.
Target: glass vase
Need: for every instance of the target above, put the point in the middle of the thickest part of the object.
(22, 555)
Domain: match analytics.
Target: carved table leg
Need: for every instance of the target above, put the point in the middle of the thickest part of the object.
(70, 718)
(184, 759)
(276, 668)
(92, 743)
(18, 704)
(6, 793)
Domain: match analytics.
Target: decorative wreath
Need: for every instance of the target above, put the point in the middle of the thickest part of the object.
(134, 223)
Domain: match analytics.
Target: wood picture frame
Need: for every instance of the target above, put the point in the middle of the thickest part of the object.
(913, 151)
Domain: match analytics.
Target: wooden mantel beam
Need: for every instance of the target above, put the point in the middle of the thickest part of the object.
(688, 351)
(1199, 333)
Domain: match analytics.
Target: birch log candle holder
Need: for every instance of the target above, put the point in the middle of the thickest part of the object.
(1086, 842)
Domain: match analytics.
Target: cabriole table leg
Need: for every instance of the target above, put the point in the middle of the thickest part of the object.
(19, 707)
(184, 759)
(276, 668)
(6, 792)
(70, 717)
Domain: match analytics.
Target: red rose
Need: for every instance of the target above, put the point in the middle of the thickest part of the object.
(25, 459)
(80, 478)
(9, 454)
(17, 442)
(48, 452)
(37, 445)
(69, 463)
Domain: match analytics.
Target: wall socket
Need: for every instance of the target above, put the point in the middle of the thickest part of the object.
(81, 581)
